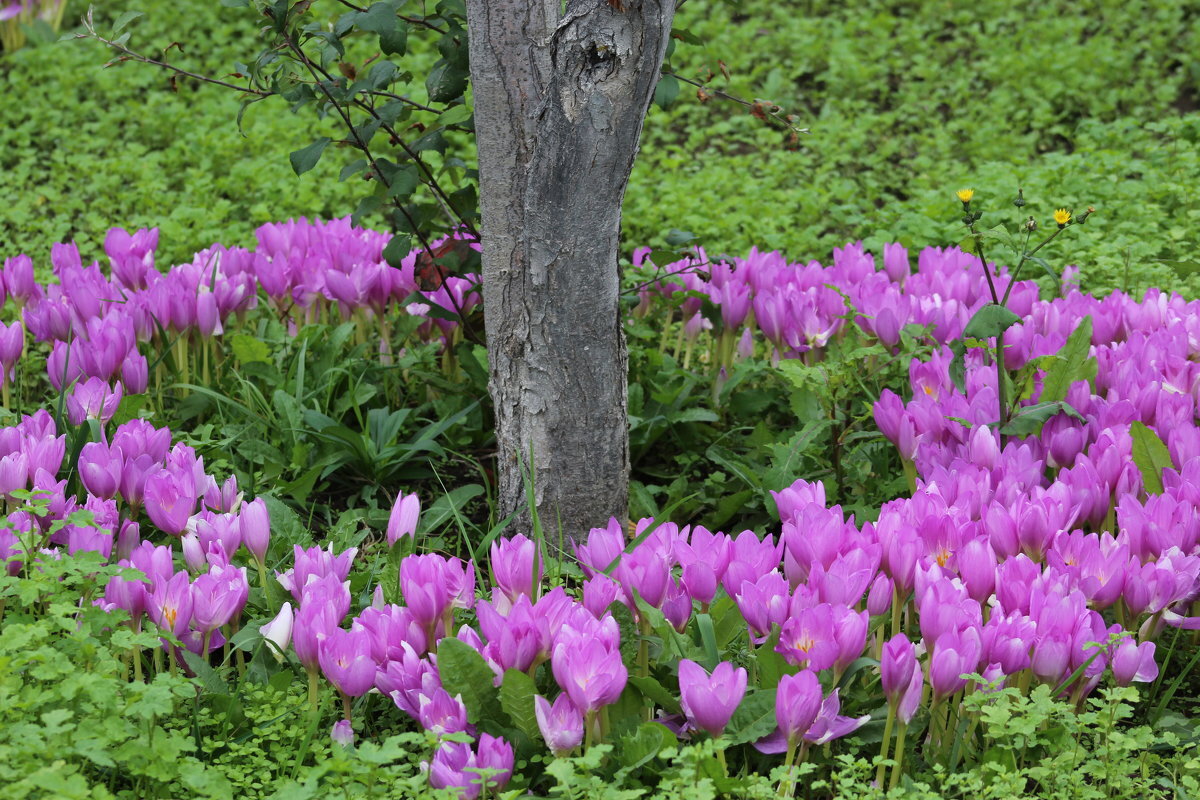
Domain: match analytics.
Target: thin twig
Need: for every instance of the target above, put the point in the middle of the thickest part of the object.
(130, 55)
(727, 96)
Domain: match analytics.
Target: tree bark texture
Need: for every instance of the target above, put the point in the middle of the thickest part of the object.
(560, 97)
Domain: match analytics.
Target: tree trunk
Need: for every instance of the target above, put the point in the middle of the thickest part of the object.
(560, 98)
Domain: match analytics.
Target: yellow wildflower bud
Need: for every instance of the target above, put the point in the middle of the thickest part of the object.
(1062, 217)
(965, 195)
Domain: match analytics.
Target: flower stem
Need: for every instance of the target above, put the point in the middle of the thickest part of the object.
(898, 767)
(881, 770)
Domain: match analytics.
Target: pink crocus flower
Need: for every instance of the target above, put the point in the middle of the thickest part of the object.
(561, 724)
(709, 701)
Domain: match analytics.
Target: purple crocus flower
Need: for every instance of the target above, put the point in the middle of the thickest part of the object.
(797, 702)
(169, 604)
(100, 469)
(317, 563)
(169, 502)
(495, 755)
(1133, 662)
(454, 767)
(589, 672)
(279, 631)
(561, 724)
(440, 713)
(513, 562)
(518, 640)
(217, 597)
(93, 399)
(345, 659)
(709, 701)
(255, 524)
(403, 519)
(342, 733)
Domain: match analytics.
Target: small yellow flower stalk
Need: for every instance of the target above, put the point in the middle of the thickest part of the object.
(1062, 217)
(965, 195)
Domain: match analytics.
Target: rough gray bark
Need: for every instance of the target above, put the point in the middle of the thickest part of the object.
(560, 97)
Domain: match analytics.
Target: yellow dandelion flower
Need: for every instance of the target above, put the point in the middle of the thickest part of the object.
(1062, 216)
(965, 195)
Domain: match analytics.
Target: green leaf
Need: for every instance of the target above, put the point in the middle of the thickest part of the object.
(125, 19)
(666, 91)
(247, 348)
(516, 698)
(1150, 455)
(1000, 234)
(678, 238)
(464, 672)
(1183, 268)
(455, 115)
(396, 249)
(753, 719)
(1030, 420)
(306, 158)
(1070, 364)
(446, 82)
(990, 321)
(642, 745)
(651, 688)
(958, 365)
(771, 665)
(381, 19)
(1045, 265)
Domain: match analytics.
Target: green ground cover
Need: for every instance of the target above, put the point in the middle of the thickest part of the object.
(1081, 104)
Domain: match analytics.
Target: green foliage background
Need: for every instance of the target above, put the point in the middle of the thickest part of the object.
(1078, 102)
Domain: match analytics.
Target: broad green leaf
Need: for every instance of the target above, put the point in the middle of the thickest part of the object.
(1150, 455)
(651, 688)
(306, 158)
(247, 348)
(990, 321)
(516, 698)
(464, 672)
(640, 746)
(1070, 364)
(754, 717)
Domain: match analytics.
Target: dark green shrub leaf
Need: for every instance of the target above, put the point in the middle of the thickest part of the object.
(306, 158)
(990, 321)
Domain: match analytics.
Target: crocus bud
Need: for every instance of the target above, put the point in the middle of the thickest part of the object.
(279, 632)
(193, 552)
(879, 598)
(100, 469)
(342, 733)
(496, 755)
(513, 563)
(561, 724)
(403, 520)
(709, 701)
(1134, 662)
(345, 658)
(255, 524)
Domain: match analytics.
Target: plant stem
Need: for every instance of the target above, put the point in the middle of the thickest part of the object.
(881, 770)
(898, 767)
